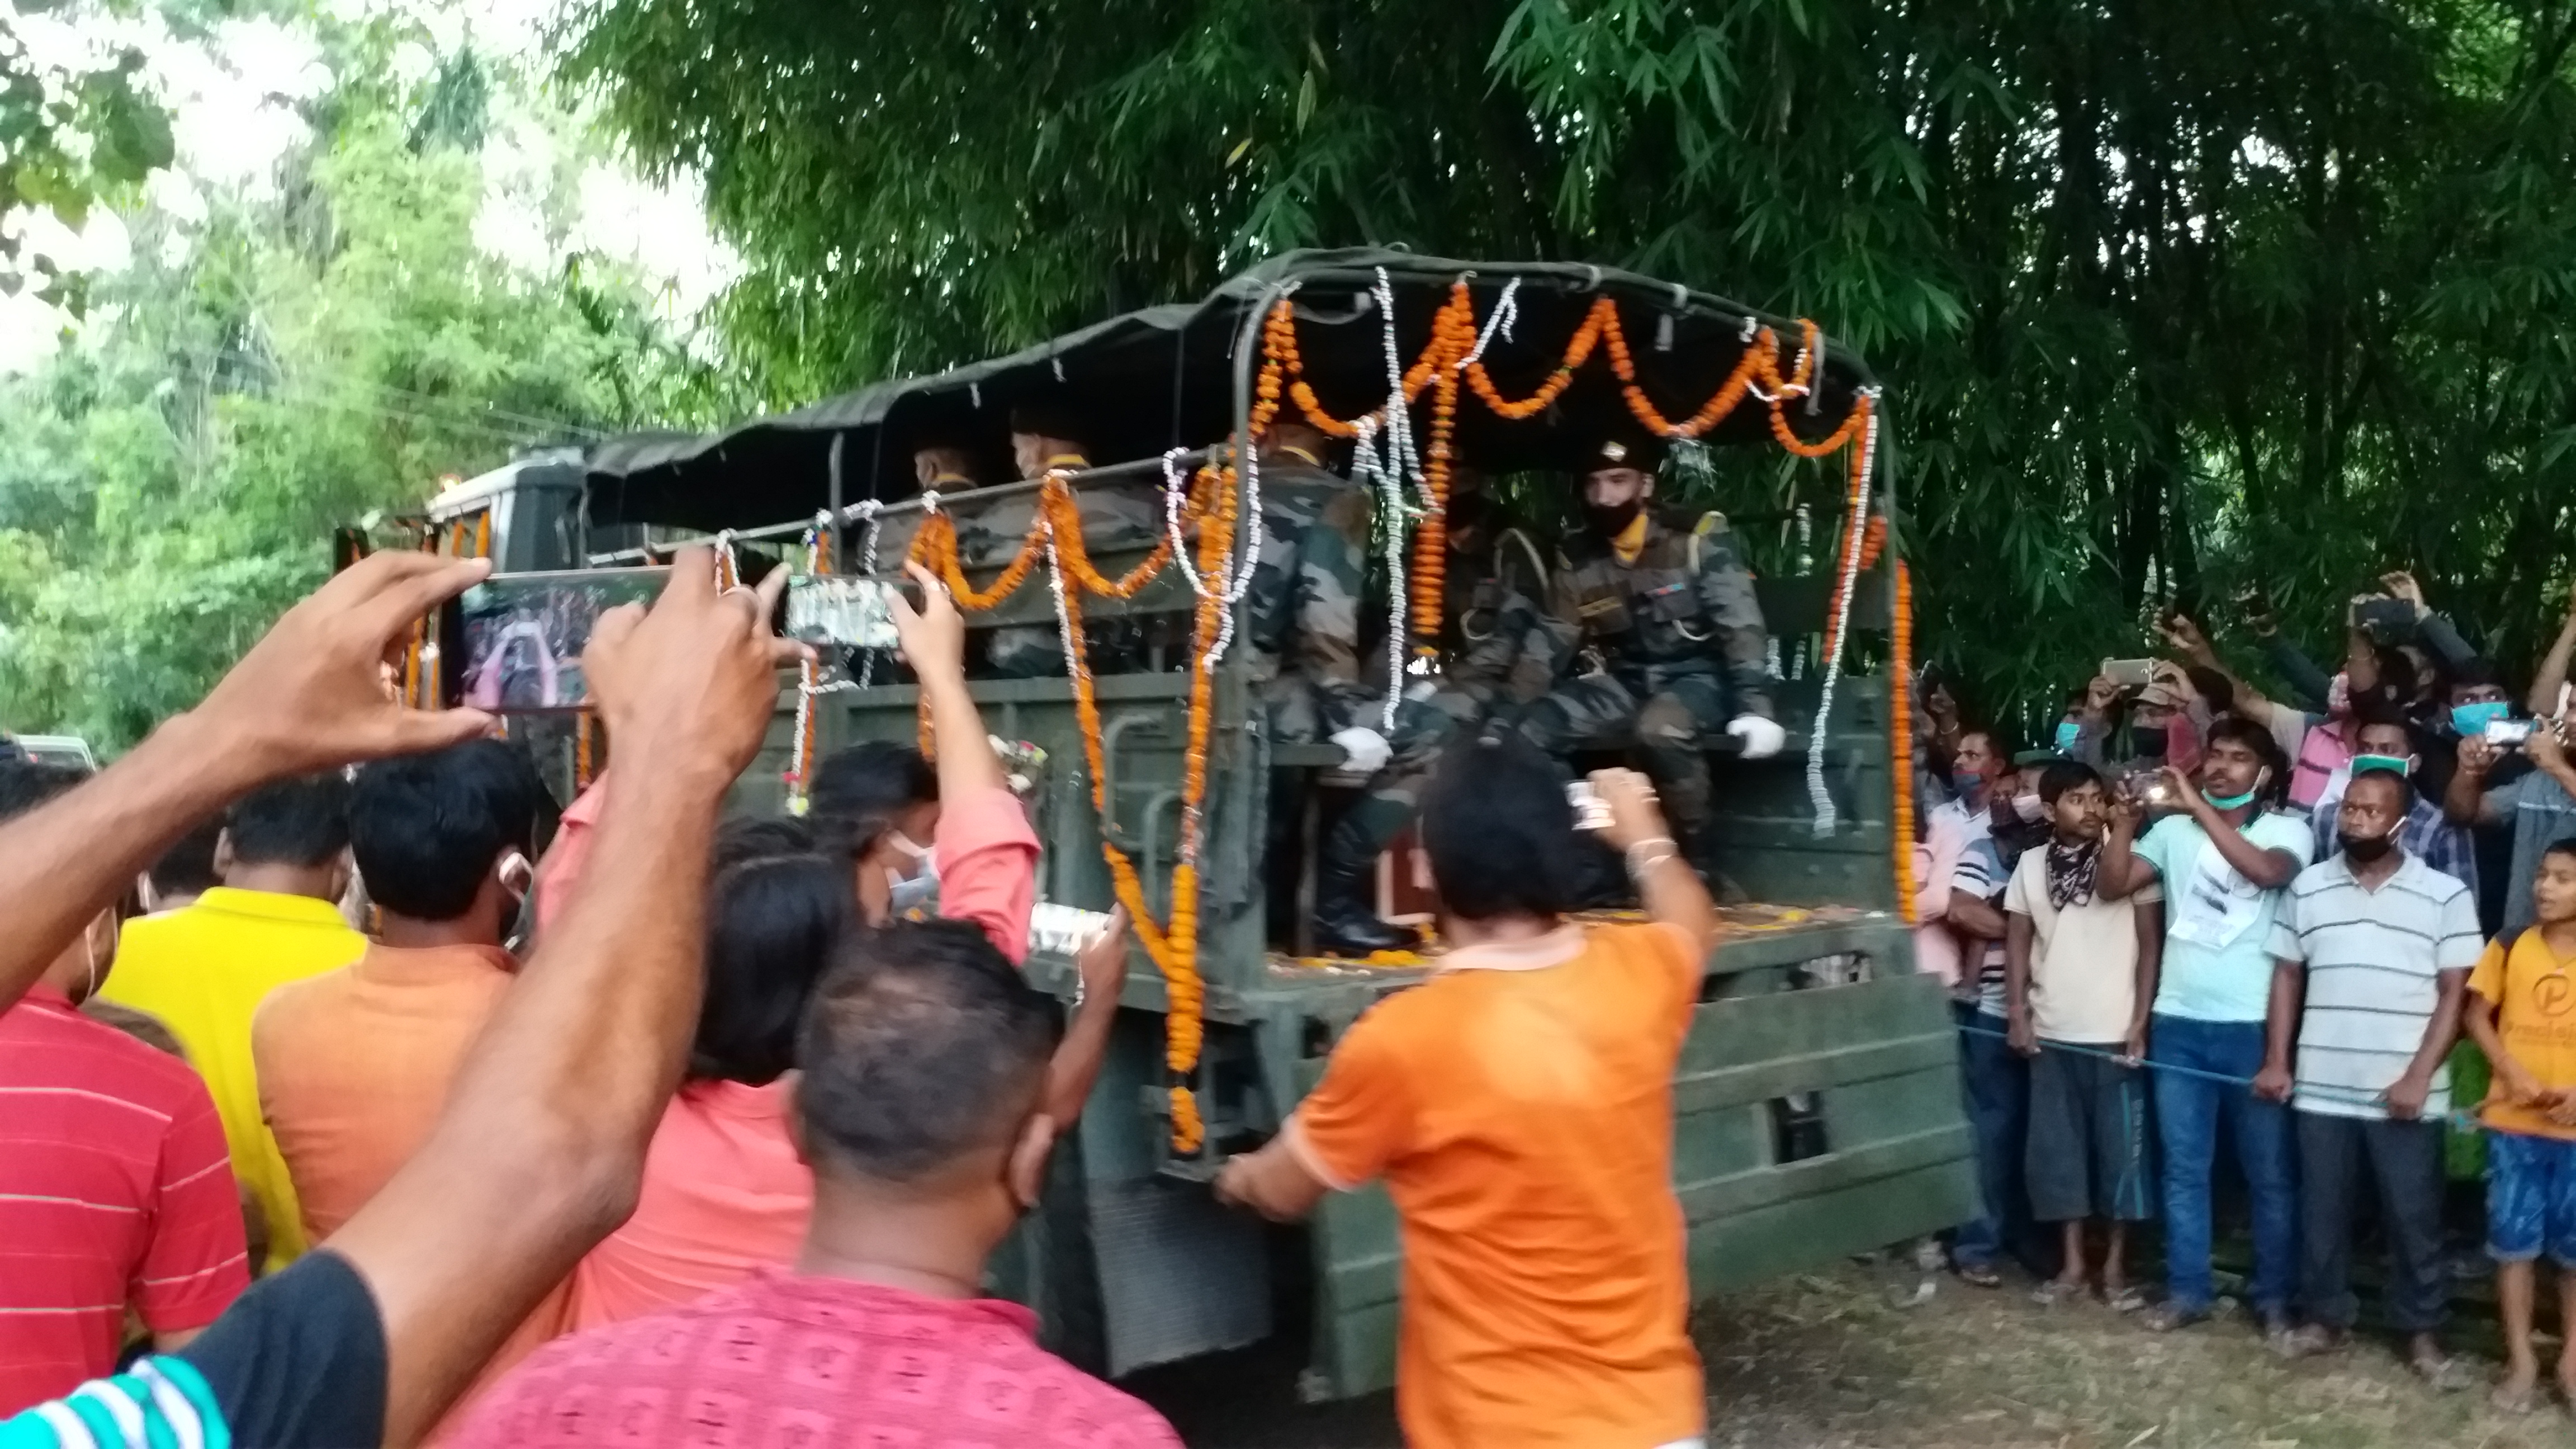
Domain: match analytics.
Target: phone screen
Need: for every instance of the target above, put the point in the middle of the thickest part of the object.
(851, 612)
(512, 643)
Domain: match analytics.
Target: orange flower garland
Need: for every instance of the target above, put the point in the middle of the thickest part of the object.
(1453, 335)
(1213, 502)
(581, 751)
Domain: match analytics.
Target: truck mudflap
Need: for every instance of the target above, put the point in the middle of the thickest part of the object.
(1808, 1125)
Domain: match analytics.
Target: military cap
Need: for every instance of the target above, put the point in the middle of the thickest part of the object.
(1626, 446)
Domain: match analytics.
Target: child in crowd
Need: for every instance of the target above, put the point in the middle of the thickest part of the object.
(2079, 972)
(2519, 1012)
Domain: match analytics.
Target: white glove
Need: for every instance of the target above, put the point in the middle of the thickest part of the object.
(1762, 738)
(1368, 750)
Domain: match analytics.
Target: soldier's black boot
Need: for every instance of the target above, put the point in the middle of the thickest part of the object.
(1346, 921)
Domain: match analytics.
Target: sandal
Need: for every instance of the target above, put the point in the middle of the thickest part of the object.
(2127, 1299)
(2507, 1399)
(1978, 1275)
(2167, 1317)
(2054, 1291)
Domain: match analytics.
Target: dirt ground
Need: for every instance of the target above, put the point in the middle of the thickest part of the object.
(1849, 1359)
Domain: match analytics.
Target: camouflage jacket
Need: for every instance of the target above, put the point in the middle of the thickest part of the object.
(1498, 643)
(1303, 613)
(1687, 598)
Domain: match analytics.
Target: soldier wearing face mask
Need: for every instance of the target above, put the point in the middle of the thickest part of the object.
(1679, 646)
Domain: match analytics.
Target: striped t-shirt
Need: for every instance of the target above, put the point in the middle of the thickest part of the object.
(2373, 959)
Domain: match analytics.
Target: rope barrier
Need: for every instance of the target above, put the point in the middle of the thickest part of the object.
(2461, 1121)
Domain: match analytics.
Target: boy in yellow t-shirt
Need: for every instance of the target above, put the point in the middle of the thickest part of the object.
(2522, 1013)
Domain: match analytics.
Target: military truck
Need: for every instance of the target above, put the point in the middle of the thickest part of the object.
(1818, 1102)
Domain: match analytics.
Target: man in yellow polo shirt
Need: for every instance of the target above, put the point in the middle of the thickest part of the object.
(205, 968)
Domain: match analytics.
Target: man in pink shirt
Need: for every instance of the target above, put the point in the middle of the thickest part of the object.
(924, 1109)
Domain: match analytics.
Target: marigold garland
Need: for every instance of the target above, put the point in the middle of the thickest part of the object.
(1213, 501)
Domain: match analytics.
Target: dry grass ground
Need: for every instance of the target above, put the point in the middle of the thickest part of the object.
(1831, 1361)
(1848, 1360)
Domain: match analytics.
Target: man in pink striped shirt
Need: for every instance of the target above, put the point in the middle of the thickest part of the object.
(115, 1187)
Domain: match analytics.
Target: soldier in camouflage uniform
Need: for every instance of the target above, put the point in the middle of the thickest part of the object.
(1302, 622)
(1115, 518)
(1499, 650)
(1670, 613)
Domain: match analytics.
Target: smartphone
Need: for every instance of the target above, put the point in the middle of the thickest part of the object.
(830, 609)
(1591, 812)
(2507, 734)
(2386, 620)
(1064, 930)
(2147, 786)
(2130, 673)
(512, 643)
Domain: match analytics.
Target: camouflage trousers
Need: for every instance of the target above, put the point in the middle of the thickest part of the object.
(1297, 716)
(1667, 718)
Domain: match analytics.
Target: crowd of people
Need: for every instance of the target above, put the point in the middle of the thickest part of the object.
(688, 1128)
(2329, 930)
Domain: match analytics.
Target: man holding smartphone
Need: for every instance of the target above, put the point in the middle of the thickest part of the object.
(2539, 807)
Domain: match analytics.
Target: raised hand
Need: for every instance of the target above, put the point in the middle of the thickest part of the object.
(1634, 816)
(931, 638)
(692, 683)
(310, 695)
(1102, 964)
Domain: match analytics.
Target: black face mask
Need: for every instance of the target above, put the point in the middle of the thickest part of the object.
(2366, 851)
(2147, 742)
(1611, 522)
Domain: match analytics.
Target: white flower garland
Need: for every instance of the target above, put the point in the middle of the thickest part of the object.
(1839, 625)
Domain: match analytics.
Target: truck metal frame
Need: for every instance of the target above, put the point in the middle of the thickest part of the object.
(1818, 1108)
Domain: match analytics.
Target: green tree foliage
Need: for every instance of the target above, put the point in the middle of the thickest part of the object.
(283, 365)
(67, 136)
(2169, 297)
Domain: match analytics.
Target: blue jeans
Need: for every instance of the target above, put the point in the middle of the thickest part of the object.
(1998, 1086)
(2187, 1114)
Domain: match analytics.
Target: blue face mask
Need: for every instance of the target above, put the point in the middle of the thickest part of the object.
(1966, 783)
(2471, 720)
(2068, 731)
(2228, 802)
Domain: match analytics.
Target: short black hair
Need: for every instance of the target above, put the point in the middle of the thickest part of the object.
(293, 822)
(1500, 832)
(922, 1045)
(427, 828)
(877, 780)
(187, 868)
(2564, 845)
(772, 922)
(2475, 672)
(2063, 776)
(746, 838)
(2215, 688)
(2405, 791)
(26, 784)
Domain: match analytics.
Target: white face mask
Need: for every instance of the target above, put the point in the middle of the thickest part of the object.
(918, 891)
(2028, 807)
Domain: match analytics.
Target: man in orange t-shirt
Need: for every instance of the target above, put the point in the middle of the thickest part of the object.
(1519, 1107)
(354, 1065)
(2521, 1011)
